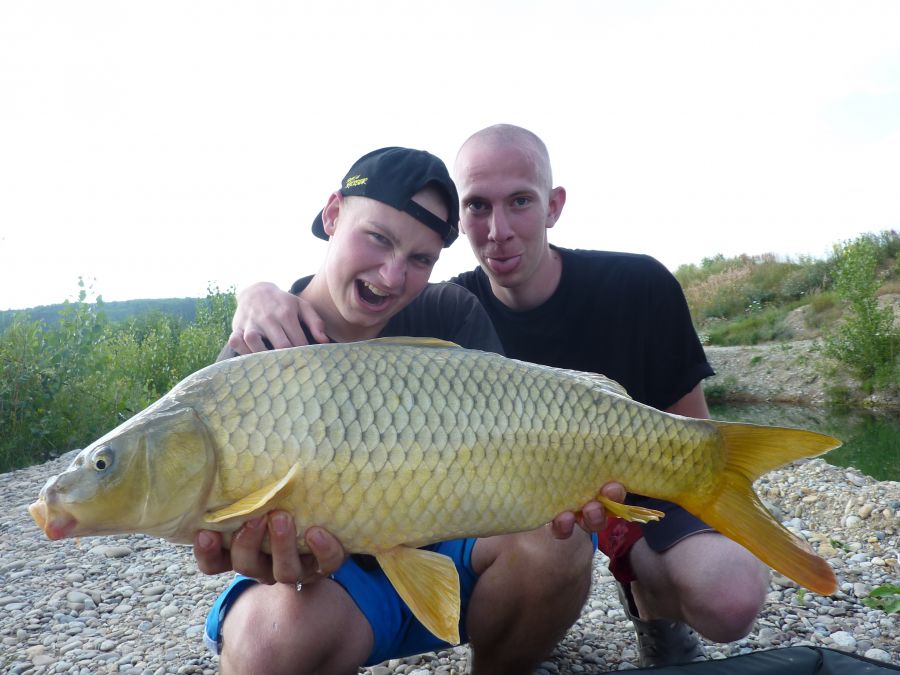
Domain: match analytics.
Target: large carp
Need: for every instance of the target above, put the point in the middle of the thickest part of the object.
(395, 443)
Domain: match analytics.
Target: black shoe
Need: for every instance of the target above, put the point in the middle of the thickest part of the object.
(661, 642)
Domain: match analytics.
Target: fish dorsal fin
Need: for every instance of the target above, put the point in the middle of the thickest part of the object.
(259, 500)
(598, 380)
(414, 342)
(429, 584)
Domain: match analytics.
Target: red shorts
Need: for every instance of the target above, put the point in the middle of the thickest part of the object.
(616, 540)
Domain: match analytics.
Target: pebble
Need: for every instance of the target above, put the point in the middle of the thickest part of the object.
(878, 655)
(844, 640)
(136, 604)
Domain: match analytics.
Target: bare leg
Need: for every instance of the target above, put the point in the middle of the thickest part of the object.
(277, 629)
(707, 581)
(531, 589)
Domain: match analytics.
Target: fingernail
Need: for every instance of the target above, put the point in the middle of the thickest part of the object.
(317, 537)
(280, 523)
(254, 523)
(205, 540)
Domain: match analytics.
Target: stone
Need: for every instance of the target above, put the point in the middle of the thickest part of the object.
(877, 655)
(866, 510)
(843, 640)
(111, 551)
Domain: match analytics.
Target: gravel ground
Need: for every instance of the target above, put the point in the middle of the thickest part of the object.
(134, 604)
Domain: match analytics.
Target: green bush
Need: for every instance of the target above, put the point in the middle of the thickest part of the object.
(62, 387)
(866, 343)
(760, 324)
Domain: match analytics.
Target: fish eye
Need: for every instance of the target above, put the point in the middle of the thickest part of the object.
(102, 458)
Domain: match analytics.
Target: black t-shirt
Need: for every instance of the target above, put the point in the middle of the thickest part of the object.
(619, 314)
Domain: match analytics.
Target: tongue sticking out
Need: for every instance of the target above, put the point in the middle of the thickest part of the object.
(504, 265)
(369, 295)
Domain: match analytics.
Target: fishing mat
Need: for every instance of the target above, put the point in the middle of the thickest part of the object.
(783, 661)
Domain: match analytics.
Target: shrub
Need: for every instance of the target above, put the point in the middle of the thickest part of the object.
(867, 343)
(63, 386)
(808, 279)
(761, 325)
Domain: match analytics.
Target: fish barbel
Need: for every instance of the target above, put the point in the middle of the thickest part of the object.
(396, 443)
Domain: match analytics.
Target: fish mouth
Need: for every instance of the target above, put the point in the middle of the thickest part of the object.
(370, 294)
(56, 523)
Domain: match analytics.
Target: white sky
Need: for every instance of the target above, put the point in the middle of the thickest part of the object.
(155, 147)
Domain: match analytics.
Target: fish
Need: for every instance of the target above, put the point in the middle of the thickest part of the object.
(395, 443)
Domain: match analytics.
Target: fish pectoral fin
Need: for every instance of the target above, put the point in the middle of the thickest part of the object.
(429, 584)
(257, 501)
(637, 514)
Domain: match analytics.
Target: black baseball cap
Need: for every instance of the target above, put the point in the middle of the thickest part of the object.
(393, 176)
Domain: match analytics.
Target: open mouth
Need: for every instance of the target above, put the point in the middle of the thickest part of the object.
(370, 294)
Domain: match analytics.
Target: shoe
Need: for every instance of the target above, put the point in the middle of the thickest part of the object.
(661, 642)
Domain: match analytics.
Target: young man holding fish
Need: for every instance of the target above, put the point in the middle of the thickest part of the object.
(620, 315)
(386, 227)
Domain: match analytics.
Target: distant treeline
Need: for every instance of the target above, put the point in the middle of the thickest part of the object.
(182, 308)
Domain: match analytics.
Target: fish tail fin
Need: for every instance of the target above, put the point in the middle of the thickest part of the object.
(754, 450)
(738, 513)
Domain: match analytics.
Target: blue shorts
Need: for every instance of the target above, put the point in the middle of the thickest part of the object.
(396, 631)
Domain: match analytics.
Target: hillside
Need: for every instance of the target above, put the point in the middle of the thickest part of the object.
(793, 370)
(119, 310)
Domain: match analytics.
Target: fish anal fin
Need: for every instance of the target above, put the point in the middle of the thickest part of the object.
(637, 514)
(429, 584)
(257, 501)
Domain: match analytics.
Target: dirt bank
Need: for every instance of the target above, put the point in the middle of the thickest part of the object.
(788, 372)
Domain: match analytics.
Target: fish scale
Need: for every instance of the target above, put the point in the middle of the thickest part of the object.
(396, 443)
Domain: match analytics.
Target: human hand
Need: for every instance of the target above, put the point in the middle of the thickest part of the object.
(285, 564)
(592, 516)
(265, 311)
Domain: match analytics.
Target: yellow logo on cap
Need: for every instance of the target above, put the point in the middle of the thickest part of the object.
(353, 181)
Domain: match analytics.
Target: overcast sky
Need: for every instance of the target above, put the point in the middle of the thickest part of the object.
(154, 148)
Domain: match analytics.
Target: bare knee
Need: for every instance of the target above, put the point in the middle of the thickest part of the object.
(537, 555)
(530, 590)
(732, 602)
(275, 629)
(707, 581)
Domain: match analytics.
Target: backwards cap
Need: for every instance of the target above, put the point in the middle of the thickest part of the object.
(393, 176)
